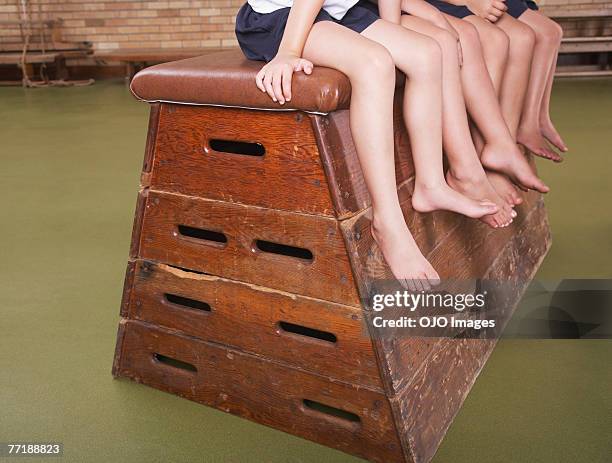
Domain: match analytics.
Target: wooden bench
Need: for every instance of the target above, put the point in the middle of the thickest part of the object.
(600, 44)
(39, 42)
(252, 266)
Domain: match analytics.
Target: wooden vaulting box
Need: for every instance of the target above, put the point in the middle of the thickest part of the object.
(251, 255)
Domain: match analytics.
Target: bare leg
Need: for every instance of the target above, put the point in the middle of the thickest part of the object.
(548, 39)
(529, 134)
(499, 152)
(495, 48)
(466, 173)
(422, 63)
(371, 120)
(483, 105)
(546, 125)
(516, 78)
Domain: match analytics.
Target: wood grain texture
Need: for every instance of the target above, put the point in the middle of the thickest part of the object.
(137, 224)
(428, 404)
(328, 276)
(341, 162)
(289, 176)
(155, 110)
(459, 248)
(246, 317)
(260, 390)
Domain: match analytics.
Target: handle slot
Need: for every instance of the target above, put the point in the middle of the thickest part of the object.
(237, 147)
(305, 331)
(186, 303)
(174, 363)
(336, 413)
(210, 237)
(284, 250)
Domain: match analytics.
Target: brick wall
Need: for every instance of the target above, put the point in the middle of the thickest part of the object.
(121, 24)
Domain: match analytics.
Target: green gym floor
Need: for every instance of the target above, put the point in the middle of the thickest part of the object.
(70, 161)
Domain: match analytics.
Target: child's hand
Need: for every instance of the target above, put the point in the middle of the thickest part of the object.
(275, 77)
(490, 10)
(443, 23)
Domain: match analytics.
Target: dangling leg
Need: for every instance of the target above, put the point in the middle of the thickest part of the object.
(371, 120)
(548, 38)
(422, 63)
(483, 106)
(505, 157)
(545, 50)
(466, 173)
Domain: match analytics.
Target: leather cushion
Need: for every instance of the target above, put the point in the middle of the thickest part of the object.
(227, 78)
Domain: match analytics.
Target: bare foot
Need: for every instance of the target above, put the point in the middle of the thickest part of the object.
(504, 188)
(443, 197)
(510, 161)
(403, 256)
(531, 139)
(550, 133)
(478, 187)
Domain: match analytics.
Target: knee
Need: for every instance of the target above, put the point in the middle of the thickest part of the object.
(497, 42)
(522, 39)
(551, 32)
(446, 41)
(378, 62)
(469, 35)
(426, 60)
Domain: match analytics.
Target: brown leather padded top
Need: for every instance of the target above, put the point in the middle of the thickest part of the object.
(227, 78)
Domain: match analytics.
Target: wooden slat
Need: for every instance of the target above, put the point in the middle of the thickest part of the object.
(260, 390)
(328, 276)
(586, 45)
(247, 317)
(600, 73)
(289, 176)
(564, 13)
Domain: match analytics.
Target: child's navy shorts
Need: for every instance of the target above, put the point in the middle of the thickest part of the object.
(260, 35)
(515, 8)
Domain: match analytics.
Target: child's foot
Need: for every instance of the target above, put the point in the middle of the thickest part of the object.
(478, 187)
(510, 161)
(403, 255)
(443, 197)
(504, 188)
(534, 142)
(550, 133)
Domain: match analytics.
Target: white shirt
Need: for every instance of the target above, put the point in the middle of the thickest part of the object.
(336, 8)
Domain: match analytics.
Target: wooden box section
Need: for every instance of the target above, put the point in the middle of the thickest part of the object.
(324, 338)
(227, 155)
(250, 276)
(297, 253)
(346, 417)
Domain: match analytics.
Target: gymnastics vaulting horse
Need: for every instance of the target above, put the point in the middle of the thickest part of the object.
(252, 264)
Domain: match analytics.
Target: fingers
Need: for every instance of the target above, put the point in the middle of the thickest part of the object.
(259, 79)
(307, 66)
(277, 81)
(491, 18)
(500, 5)
(267, 82)
(496, 12)
(287, 75)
